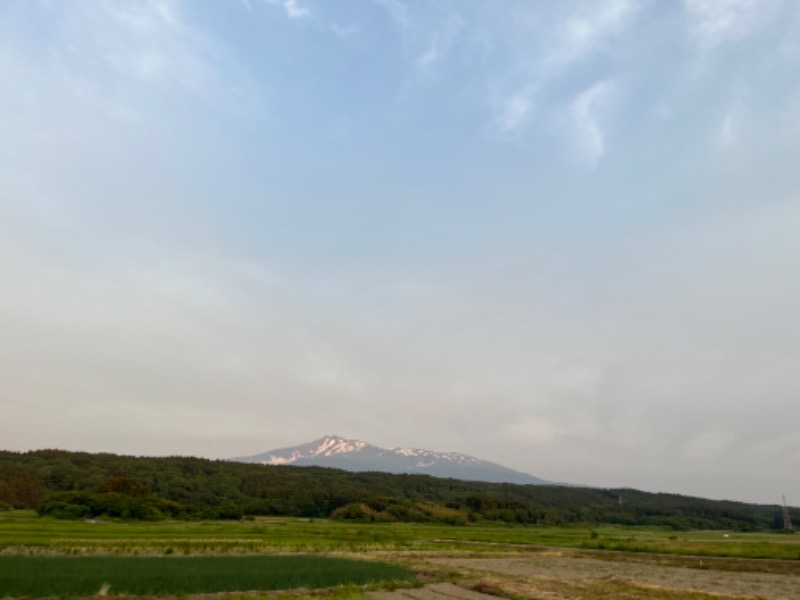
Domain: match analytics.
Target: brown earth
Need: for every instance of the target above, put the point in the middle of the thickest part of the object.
(570, 575)
(434, 591)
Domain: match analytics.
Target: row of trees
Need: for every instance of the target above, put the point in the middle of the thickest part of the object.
(79, 485)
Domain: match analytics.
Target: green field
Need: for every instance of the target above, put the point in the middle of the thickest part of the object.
(24, 531)
(85, 575)
(42, 556)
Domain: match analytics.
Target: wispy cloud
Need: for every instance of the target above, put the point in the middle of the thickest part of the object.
(439, 44)
(583, 33)
(713, 22)
(515, 111)
(575, 36)
(583, 124)
(429, 37)
(103, 60)
(727, 131)
(733, 117)
(146, 43)
(292, 8)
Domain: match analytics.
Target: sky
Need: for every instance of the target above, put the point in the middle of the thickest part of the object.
(563, 236)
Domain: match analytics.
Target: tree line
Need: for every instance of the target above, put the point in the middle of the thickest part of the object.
(83, 485)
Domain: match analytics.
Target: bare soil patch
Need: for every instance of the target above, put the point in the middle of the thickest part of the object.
(435, 591)
(578, 574)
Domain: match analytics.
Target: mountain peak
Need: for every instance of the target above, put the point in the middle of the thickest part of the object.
(334, 444)
(356, 455)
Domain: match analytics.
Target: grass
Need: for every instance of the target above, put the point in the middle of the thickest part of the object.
(41, 576)
(24, 531)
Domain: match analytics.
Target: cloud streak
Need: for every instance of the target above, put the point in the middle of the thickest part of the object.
(583, 34)
(715, 22)
(293, 8)
(583, 121)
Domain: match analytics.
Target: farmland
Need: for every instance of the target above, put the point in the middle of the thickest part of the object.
(85, 575)
(24, 531)
(510, 561)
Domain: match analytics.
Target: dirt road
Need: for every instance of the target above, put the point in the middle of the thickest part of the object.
(435, 591)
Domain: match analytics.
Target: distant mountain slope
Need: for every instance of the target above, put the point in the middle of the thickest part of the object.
(355, 455)
(80, 485)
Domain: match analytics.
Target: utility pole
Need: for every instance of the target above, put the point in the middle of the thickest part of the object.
(787, 519)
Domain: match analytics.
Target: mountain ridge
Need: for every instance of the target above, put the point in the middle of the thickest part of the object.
(356, 455)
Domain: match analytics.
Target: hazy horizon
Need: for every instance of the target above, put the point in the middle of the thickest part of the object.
(558, 236)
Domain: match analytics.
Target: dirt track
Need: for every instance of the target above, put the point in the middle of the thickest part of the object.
(435, 591)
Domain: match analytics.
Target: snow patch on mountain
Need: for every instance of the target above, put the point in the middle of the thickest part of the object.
(356, 455)
(406, 451)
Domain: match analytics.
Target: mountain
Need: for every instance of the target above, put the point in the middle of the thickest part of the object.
(355, 455)
(78, 485)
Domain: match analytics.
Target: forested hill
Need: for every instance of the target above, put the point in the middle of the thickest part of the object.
(77, 485)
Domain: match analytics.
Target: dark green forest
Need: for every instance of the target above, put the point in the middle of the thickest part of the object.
(76, 485)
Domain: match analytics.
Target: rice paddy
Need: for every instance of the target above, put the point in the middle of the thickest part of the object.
(41, 576)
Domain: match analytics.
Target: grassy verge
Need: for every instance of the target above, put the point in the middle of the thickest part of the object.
(42, 576)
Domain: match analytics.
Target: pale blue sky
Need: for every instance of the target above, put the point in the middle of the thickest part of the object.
(562, 236)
